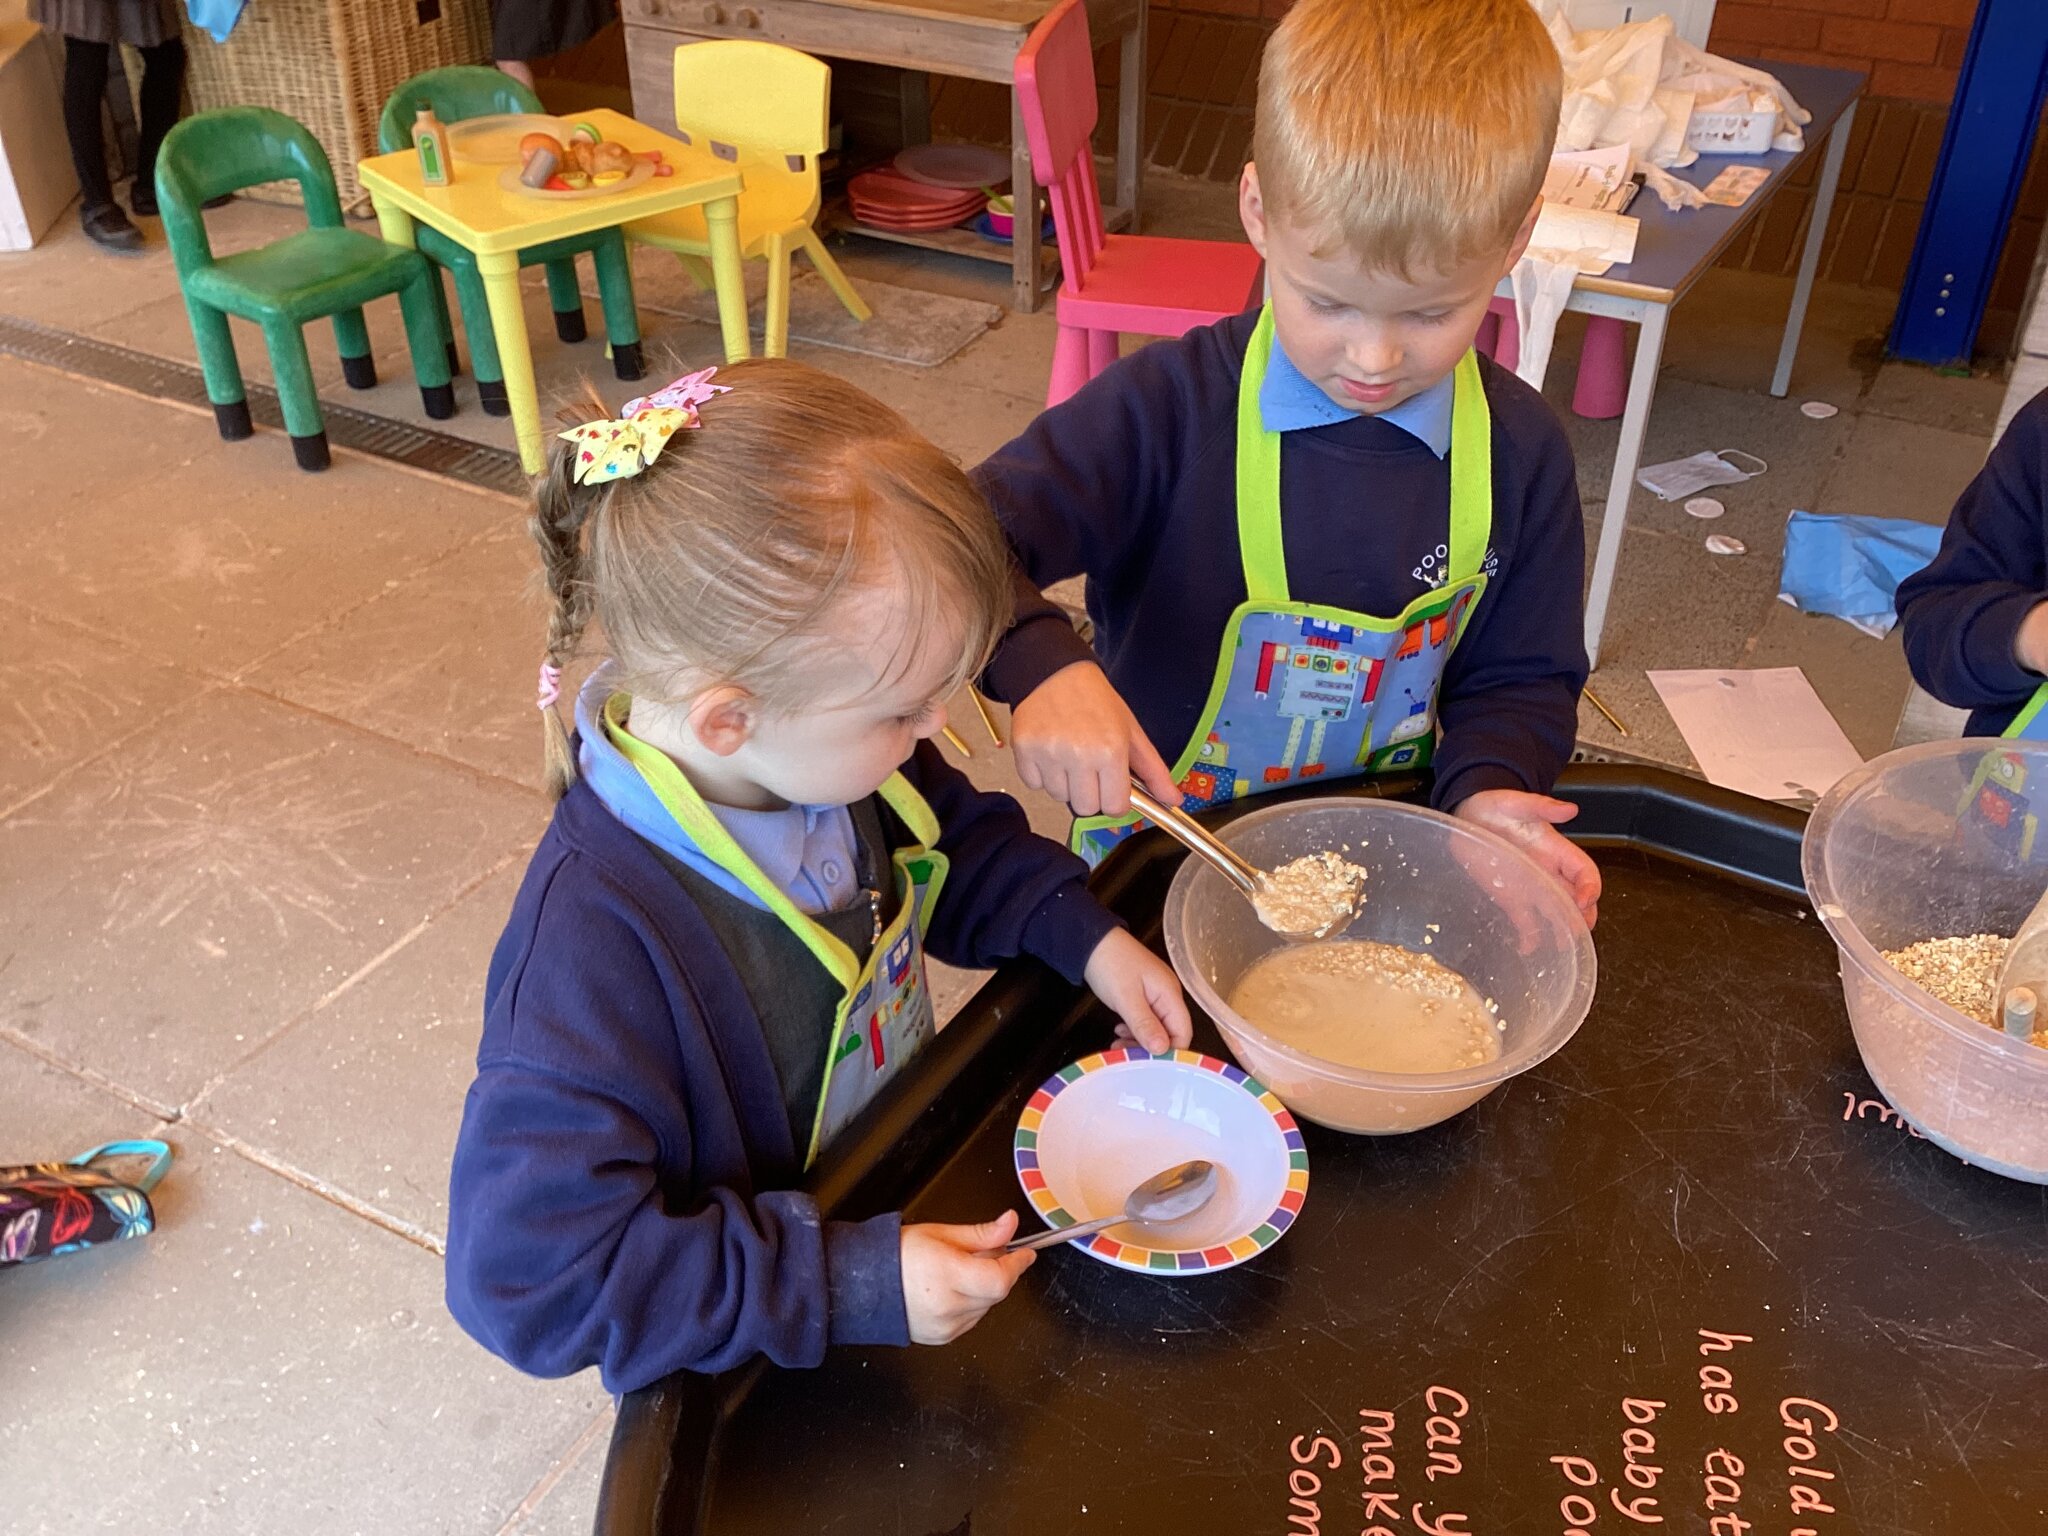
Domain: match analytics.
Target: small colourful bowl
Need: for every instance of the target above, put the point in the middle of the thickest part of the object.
(1098, 1128)
(1002, 217)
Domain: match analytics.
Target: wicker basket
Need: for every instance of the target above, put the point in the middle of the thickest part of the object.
(332, 64)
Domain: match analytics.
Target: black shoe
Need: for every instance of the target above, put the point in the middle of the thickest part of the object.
(142, 199)
(110, 229)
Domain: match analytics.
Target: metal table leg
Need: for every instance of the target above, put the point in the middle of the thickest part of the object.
(1642, 386)
(1816, 236)
(1025, 217)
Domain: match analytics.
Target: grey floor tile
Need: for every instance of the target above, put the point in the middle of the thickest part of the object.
(216, 558)
(365, 1094)
(563, 373)
(71, 284)
(569, 1505)
(1676, 605)
(1652, 733)
(966, 419)
(457, 645)
(1727, 329)
(1862, 681)
(69, 695)
(54, 432)
(1915, 392)
(1892, 468)
(1013, 357)
(170, 906)
(264, 1361)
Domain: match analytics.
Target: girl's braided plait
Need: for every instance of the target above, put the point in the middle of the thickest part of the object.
(561, 510)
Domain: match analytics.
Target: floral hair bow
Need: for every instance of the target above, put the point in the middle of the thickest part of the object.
(620, 448)
(685, 394)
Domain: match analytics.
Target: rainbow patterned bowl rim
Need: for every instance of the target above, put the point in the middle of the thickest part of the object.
(1024, 1151)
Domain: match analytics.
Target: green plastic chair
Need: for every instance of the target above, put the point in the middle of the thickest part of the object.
(323, 271)
(464, 91)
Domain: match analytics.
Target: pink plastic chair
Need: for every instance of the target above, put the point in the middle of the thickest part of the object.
(1110, 284)
(1601, 390)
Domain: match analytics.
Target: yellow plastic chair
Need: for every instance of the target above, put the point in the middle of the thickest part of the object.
(765, 107)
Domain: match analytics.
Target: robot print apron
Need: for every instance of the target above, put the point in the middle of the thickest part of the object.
(884, 1016)
(1301, 691)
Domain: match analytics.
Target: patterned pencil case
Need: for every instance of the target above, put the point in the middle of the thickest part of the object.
(48, 1208)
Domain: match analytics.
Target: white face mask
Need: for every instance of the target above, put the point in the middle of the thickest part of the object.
(1680, 478)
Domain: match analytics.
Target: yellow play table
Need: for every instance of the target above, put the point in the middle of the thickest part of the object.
(476, 212)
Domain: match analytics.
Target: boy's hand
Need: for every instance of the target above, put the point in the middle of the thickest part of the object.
(1075, 738)
(1141, 989)
(1531, 822)
(2030, 646)
(951, 1278)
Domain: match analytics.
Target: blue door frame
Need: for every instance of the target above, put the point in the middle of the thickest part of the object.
(1984, 153)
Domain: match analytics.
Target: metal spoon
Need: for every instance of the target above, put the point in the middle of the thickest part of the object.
(1249, 879)
(1179, 1191)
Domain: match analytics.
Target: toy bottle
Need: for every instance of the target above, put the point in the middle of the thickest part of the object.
(430, 138)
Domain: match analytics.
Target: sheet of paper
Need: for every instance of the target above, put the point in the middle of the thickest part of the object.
(1592, 179)
(1733, 187)
(1763, 733)
(1593, 241)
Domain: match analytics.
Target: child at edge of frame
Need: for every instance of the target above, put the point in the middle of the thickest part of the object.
(716, 957)
(1324, 539)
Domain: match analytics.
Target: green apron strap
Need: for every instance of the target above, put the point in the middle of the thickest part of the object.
(911, 810)
(682, 801)
(2026, 717)
(1259, 541)
(1471, 472)
(1258, 477)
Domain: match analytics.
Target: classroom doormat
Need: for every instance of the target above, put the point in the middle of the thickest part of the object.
(908, 325)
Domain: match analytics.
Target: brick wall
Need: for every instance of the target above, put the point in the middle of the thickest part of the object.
(1911, 49)
(1203, 67)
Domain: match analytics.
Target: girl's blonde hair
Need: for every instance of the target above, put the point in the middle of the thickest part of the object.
(724, 560)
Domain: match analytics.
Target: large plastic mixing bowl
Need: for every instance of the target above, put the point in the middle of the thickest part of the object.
(1918, 844)
(1433, 885)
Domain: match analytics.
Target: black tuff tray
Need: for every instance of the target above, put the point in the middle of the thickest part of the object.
(1690, 1275)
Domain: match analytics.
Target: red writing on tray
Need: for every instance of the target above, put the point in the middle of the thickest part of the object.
(1316, 1457)
(1305, 1483)
(1717, 1382)
(1808, 1484)
(1862, 1109)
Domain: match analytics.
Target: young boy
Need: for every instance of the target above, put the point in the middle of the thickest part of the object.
(1976, 620)
(1370, 537)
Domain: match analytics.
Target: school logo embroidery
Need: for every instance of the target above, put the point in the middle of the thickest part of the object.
(1432, 569)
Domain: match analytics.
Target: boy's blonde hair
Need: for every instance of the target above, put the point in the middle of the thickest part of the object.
(726, 560)
(1413, 133)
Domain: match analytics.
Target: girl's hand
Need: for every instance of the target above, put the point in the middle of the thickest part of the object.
(1531, 822)
(951, 1278)
(1075, 738)
(1142, 991)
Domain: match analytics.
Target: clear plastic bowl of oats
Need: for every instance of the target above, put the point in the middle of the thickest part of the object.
(1444, 901)
(1946, 841)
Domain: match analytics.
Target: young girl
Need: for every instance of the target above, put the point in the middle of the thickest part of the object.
(716, 958)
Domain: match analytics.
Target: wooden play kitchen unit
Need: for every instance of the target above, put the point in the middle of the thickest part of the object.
(968, 39)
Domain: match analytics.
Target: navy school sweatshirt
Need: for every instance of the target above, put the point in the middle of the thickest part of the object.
(1132, 483)
(621, 1192)
(1962, 613)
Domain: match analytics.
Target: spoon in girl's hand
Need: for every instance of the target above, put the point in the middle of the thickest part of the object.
(1179, 1191)
(1313, 897)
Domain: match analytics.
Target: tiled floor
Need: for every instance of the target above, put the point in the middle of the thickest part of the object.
(267, 778)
